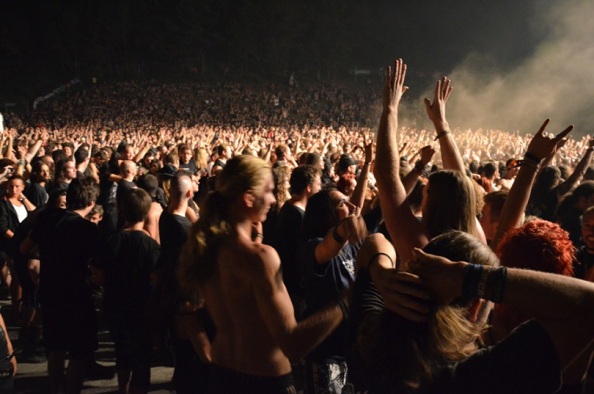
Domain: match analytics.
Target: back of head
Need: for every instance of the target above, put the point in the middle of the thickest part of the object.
(301, 177)
(451, 203)
(538, 245)
(81, 193)
(198, 259)
(149, 183)
(134, 205)
(320, 215)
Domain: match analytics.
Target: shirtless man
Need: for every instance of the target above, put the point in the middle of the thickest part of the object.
(239, 280)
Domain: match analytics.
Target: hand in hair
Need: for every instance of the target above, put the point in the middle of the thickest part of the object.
(441, 277)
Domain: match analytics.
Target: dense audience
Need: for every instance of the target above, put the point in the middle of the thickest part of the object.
(274, 242)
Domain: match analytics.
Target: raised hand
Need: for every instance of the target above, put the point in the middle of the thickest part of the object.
(369, 157)
(543, 145)
(394, 87)
(436, 110)
(426, 154)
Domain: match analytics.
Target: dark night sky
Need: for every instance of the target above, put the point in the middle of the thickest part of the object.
(493, 48)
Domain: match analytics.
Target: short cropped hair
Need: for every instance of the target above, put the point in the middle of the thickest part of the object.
(301, 177)
(135, 205)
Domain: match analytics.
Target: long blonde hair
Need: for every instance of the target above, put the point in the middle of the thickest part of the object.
(198, 258)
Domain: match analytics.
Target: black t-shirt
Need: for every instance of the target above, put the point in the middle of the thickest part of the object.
(67, 242)
(286, 240)
(128, 259)
(190, 166)
(173, 231)
(36, 194)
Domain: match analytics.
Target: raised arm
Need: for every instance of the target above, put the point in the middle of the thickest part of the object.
(405, 230)
(578, 172)
(436, 110)
(358, 197)
(540, 147)
(410, 180)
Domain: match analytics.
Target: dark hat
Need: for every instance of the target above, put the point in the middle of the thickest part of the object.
(345, 161)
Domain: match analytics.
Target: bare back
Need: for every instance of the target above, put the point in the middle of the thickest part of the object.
(248, 275)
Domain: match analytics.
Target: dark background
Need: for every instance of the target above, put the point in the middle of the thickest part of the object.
(513, 63)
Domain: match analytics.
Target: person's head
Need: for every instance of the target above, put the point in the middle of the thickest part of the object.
(247, 181)
(492, 212)
(588, 229)
(346, 164)
(449, 203)
(305, 179)
(243, 192)
(40, 172)
(82, 193)
(346, 184)
(126, 152)
(490, 171)
(68, 148)
(102, 156)
(81, 154)
(15, 186)
(66, 170)
(315, 159)
(511, 168)
(281, 175)
(538, 245)
(282, 152)
(583, 195)
(185, 154)
(58, 155)
(396, 354)
(181, 187)
(223, 151)
(134, 205)
(96, 214)
(148, 159)
(149, 183)
(128, 169)
(57, 199)
(325, 210)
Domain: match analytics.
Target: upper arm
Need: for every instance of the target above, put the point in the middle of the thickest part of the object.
(272, 297)
(406, 231)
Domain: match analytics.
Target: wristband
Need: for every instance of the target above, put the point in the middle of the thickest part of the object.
(259, 235)
(419, 166)
(337, 236)
(532, 157)
(496, 285)
(470, 285)
(441, 134)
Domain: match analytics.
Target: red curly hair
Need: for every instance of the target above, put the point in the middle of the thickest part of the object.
(538, 245)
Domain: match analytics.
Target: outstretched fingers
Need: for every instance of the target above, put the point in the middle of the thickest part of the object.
(564, 133)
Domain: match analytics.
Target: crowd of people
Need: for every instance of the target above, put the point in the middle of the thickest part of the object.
(274, 241)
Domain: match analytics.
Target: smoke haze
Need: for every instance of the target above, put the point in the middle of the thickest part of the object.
(554, 82)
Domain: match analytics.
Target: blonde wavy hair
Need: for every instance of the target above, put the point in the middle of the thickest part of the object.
(199, 255)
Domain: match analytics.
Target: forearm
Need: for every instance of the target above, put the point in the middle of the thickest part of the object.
(309, 333)
(515, 203)
(450, 155)
(387, 162)
(358, 197)
(577, 174)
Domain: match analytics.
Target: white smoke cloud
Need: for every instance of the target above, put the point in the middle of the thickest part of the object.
(556, 82)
